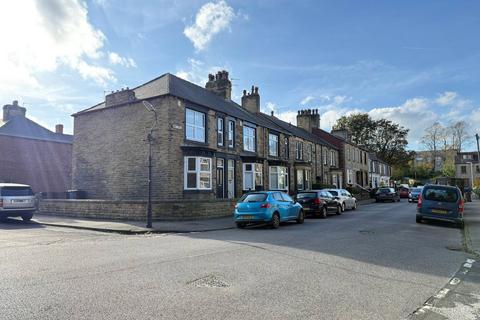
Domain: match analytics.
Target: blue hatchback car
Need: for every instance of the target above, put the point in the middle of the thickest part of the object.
(438, 202)
(270, 207)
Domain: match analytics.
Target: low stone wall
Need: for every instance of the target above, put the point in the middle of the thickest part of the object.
(136, 210)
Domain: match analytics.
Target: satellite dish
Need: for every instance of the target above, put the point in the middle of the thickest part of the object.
(148, 105)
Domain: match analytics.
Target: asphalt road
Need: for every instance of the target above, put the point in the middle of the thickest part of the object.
(372, 263)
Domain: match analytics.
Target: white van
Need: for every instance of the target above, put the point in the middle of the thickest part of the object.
(17, 200)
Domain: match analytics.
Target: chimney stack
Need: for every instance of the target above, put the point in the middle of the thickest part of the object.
(308, 119)
(13, 110)
(220, 84)
(59, 128)
(251, 100)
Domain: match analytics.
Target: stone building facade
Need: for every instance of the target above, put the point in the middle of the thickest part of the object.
(32, 154)
(379, 172)
(206, 147)
(467, 166)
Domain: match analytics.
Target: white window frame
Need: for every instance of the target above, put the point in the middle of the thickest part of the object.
(325, 156)
(273, 144)
(249, 140)
(332, 158)
(300, 179)
(196, 127)
(280, 171)
(299, 150)
(256, 172)
(220, 131)
(198, 171)
(231, 133)
(287, 148)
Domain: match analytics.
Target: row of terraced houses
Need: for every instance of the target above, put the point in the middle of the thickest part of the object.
(207, 151)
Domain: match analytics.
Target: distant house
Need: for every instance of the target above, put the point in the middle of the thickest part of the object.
(32, 154)
(467, 167)
(379, 171)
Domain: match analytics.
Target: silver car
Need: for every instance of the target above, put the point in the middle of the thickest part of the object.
(346, 200)
(17, 200)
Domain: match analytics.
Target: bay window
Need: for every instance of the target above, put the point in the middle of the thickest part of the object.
(249, 138)
(195, 125)
(197, 173)
(273, 145)
(278, 178)
(252, 176)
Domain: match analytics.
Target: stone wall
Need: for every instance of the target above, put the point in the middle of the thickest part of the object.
(136, 210)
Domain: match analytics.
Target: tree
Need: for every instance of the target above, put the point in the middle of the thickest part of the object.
(448, 169)
(459, 134)
(433, 139)
(384, 137)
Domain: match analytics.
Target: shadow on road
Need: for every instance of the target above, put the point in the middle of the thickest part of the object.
(18, 223)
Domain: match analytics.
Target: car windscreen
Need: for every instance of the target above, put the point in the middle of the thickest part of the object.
(16, 191)
(306, 195)
(333, 192)
(441, 194)
(384, 190)
(254, 197)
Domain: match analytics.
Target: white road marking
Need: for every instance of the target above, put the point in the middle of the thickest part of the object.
(467, 265)
(442, 293)
(470, 261)
(454, 281)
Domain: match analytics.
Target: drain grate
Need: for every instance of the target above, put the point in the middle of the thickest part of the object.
(210, 281)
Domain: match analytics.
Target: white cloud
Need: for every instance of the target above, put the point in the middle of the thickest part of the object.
(212, 18)
(446, 98)
(115, 59)
(197, 71)
(307, 100)
(50, 35)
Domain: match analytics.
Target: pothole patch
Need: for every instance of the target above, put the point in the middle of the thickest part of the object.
(210, 281)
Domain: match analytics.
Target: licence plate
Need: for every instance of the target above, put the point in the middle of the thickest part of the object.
(19, 201)
(248, 217)
(439, 211)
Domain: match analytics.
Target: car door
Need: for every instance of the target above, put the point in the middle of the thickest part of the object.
(344, 197)
(350, 200)
(329, 200)
(283, 209)
(290, 204)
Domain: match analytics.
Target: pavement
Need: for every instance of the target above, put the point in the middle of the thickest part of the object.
(460, 297)
(139, 227)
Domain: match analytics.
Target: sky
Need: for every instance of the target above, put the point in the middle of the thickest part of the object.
(412, 62)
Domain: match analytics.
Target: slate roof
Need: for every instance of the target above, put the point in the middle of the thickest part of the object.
(169, 84)
(22, 127)
(296, 131)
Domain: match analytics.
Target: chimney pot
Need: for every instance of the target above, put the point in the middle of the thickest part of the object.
(59, 128)
(272, 113)
(244, 92)
(15, 102)
(256, 90)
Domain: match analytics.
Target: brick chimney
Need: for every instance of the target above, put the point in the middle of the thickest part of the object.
(251, 100)
(220, 84)
(59, 128)
(341, 133)
(13, 110)
(308, 119)
(119, 97)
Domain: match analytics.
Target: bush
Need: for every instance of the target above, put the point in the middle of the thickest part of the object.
(477, 192)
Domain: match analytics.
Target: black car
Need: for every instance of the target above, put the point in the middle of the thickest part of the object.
(318, 203)
(386, 194)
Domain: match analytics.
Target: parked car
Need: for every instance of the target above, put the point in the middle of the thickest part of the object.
(414, 193)
(404, 192)
(438, 202)
(318, 203)
(346, 200)
(270, 207)
(386, 194)
(17, 200)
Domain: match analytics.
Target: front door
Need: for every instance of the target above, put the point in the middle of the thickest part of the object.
(231, 179)
(220, 178)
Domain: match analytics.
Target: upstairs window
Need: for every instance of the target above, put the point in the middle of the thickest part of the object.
(287, 149)
(299, 155)
(325, 154)
(195, 125)
(249, 138)
(231, 133)
(273, 144)
(332, 158)
(220, 131)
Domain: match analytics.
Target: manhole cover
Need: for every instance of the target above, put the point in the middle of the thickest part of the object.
(210, 281)
(366, 232)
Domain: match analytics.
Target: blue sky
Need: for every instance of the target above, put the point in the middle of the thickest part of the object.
(414, 62)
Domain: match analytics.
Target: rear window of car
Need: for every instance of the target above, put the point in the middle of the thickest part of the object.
(333, 192)
(307, 195)
(254, 197)
(441, 194)
(416, 190)
(16, 191)
(384, 190)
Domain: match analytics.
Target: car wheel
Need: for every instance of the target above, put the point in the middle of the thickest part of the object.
(354, 206)
(241, 225)
(301, 217)
(418, 219)
(339, 210)
(275, 221)
(27, 216)
(343, 207)
(323, 213)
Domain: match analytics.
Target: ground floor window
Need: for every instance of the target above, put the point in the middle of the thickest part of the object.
(197, 173)
(349, 176)
(303, 179)
(278, 178)
(252, 176)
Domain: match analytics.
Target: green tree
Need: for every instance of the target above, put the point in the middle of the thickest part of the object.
(449, 169)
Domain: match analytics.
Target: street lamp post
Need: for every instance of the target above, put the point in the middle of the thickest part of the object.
(150, 140)
(471, 174)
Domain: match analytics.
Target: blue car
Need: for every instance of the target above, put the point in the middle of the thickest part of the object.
(441, 203)
(270, 207)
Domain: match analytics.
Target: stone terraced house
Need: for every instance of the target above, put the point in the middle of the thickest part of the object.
(207, 150)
